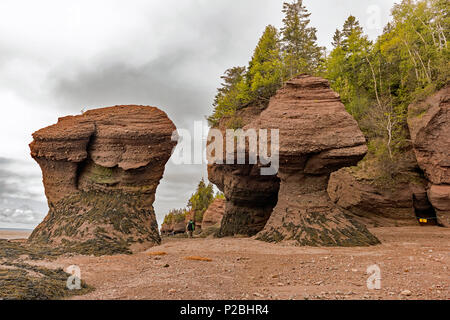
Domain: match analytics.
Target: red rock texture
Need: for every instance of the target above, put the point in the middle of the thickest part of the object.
(429, 125)
(375, 202)
(100, 172)
(250, 197)
(317, 137)
(214, 214)
(377, 206)
(174, 228)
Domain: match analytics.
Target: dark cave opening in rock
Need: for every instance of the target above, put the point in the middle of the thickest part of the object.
(424, 211)
(250, 196)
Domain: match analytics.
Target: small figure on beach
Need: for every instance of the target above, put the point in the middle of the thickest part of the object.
(190, 228)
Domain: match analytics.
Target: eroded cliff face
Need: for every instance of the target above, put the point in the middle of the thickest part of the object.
(100, 172)
(429, 125)
(317, 136)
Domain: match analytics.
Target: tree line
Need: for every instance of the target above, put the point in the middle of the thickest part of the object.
(197, 204)
(278, 56)
(377, 80)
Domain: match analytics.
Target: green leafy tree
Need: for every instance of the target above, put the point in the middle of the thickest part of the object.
(219, 195)
(377, 81)
(348, 68)
(351, 25)
(254, 84)
(274, 60)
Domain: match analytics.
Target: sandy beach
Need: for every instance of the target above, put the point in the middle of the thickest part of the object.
(14, 234)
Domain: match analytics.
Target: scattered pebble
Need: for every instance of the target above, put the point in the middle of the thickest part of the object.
(406, 293)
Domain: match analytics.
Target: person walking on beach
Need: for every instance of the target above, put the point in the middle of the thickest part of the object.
(190, 228)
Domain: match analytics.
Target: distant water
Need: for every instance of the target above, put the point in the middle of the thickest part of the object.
(15, 229)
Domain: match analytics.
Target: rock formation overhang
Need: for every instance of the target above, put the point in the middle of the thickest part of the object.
(377, 203)
(100, 172)
(429, 126)
(316, 137)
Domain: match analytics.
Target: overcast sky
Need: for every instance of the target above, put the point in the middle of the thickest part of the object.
(59, 57)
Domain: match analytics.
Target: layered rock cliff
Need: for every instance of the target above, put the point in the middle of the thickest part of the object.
(173, 228)
(358, 191)
(214, 214)
(429, 126)
(317, 136)
(100, 172)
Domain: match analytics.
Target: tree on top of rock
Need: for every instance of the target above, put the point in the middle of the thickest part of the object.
(299, 41)
(229, 96)
(348, 68)
(264, 76)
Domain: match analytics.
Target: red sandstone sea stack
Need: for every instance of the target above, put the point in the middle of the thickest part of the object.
(317, 136)
(100, 172)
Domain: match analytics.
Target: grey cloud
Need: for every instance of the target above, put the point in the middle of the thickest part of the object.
(155, 83)
(14, 184)
(5, 161)
(23, 212)
(17, 204)
(177, 186)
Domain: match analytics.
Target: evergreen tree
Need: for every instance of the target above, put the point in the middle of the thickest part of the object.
(350, 25)
(201, 199)
(265, 74)
(175, 216)
(299, 41)
(348, 68)
(337, 39)
(230, 96)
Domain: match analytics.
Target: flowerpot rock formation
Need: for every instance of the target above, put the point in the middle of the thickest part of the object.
(316, 137)
(100, 172)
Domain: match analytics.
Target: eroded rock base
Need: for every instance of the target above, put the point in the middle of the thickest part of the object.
(305, 213)
(98, 223)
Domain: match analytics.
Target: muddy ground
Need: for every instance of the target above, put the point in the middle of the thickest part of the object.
(413, 261)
